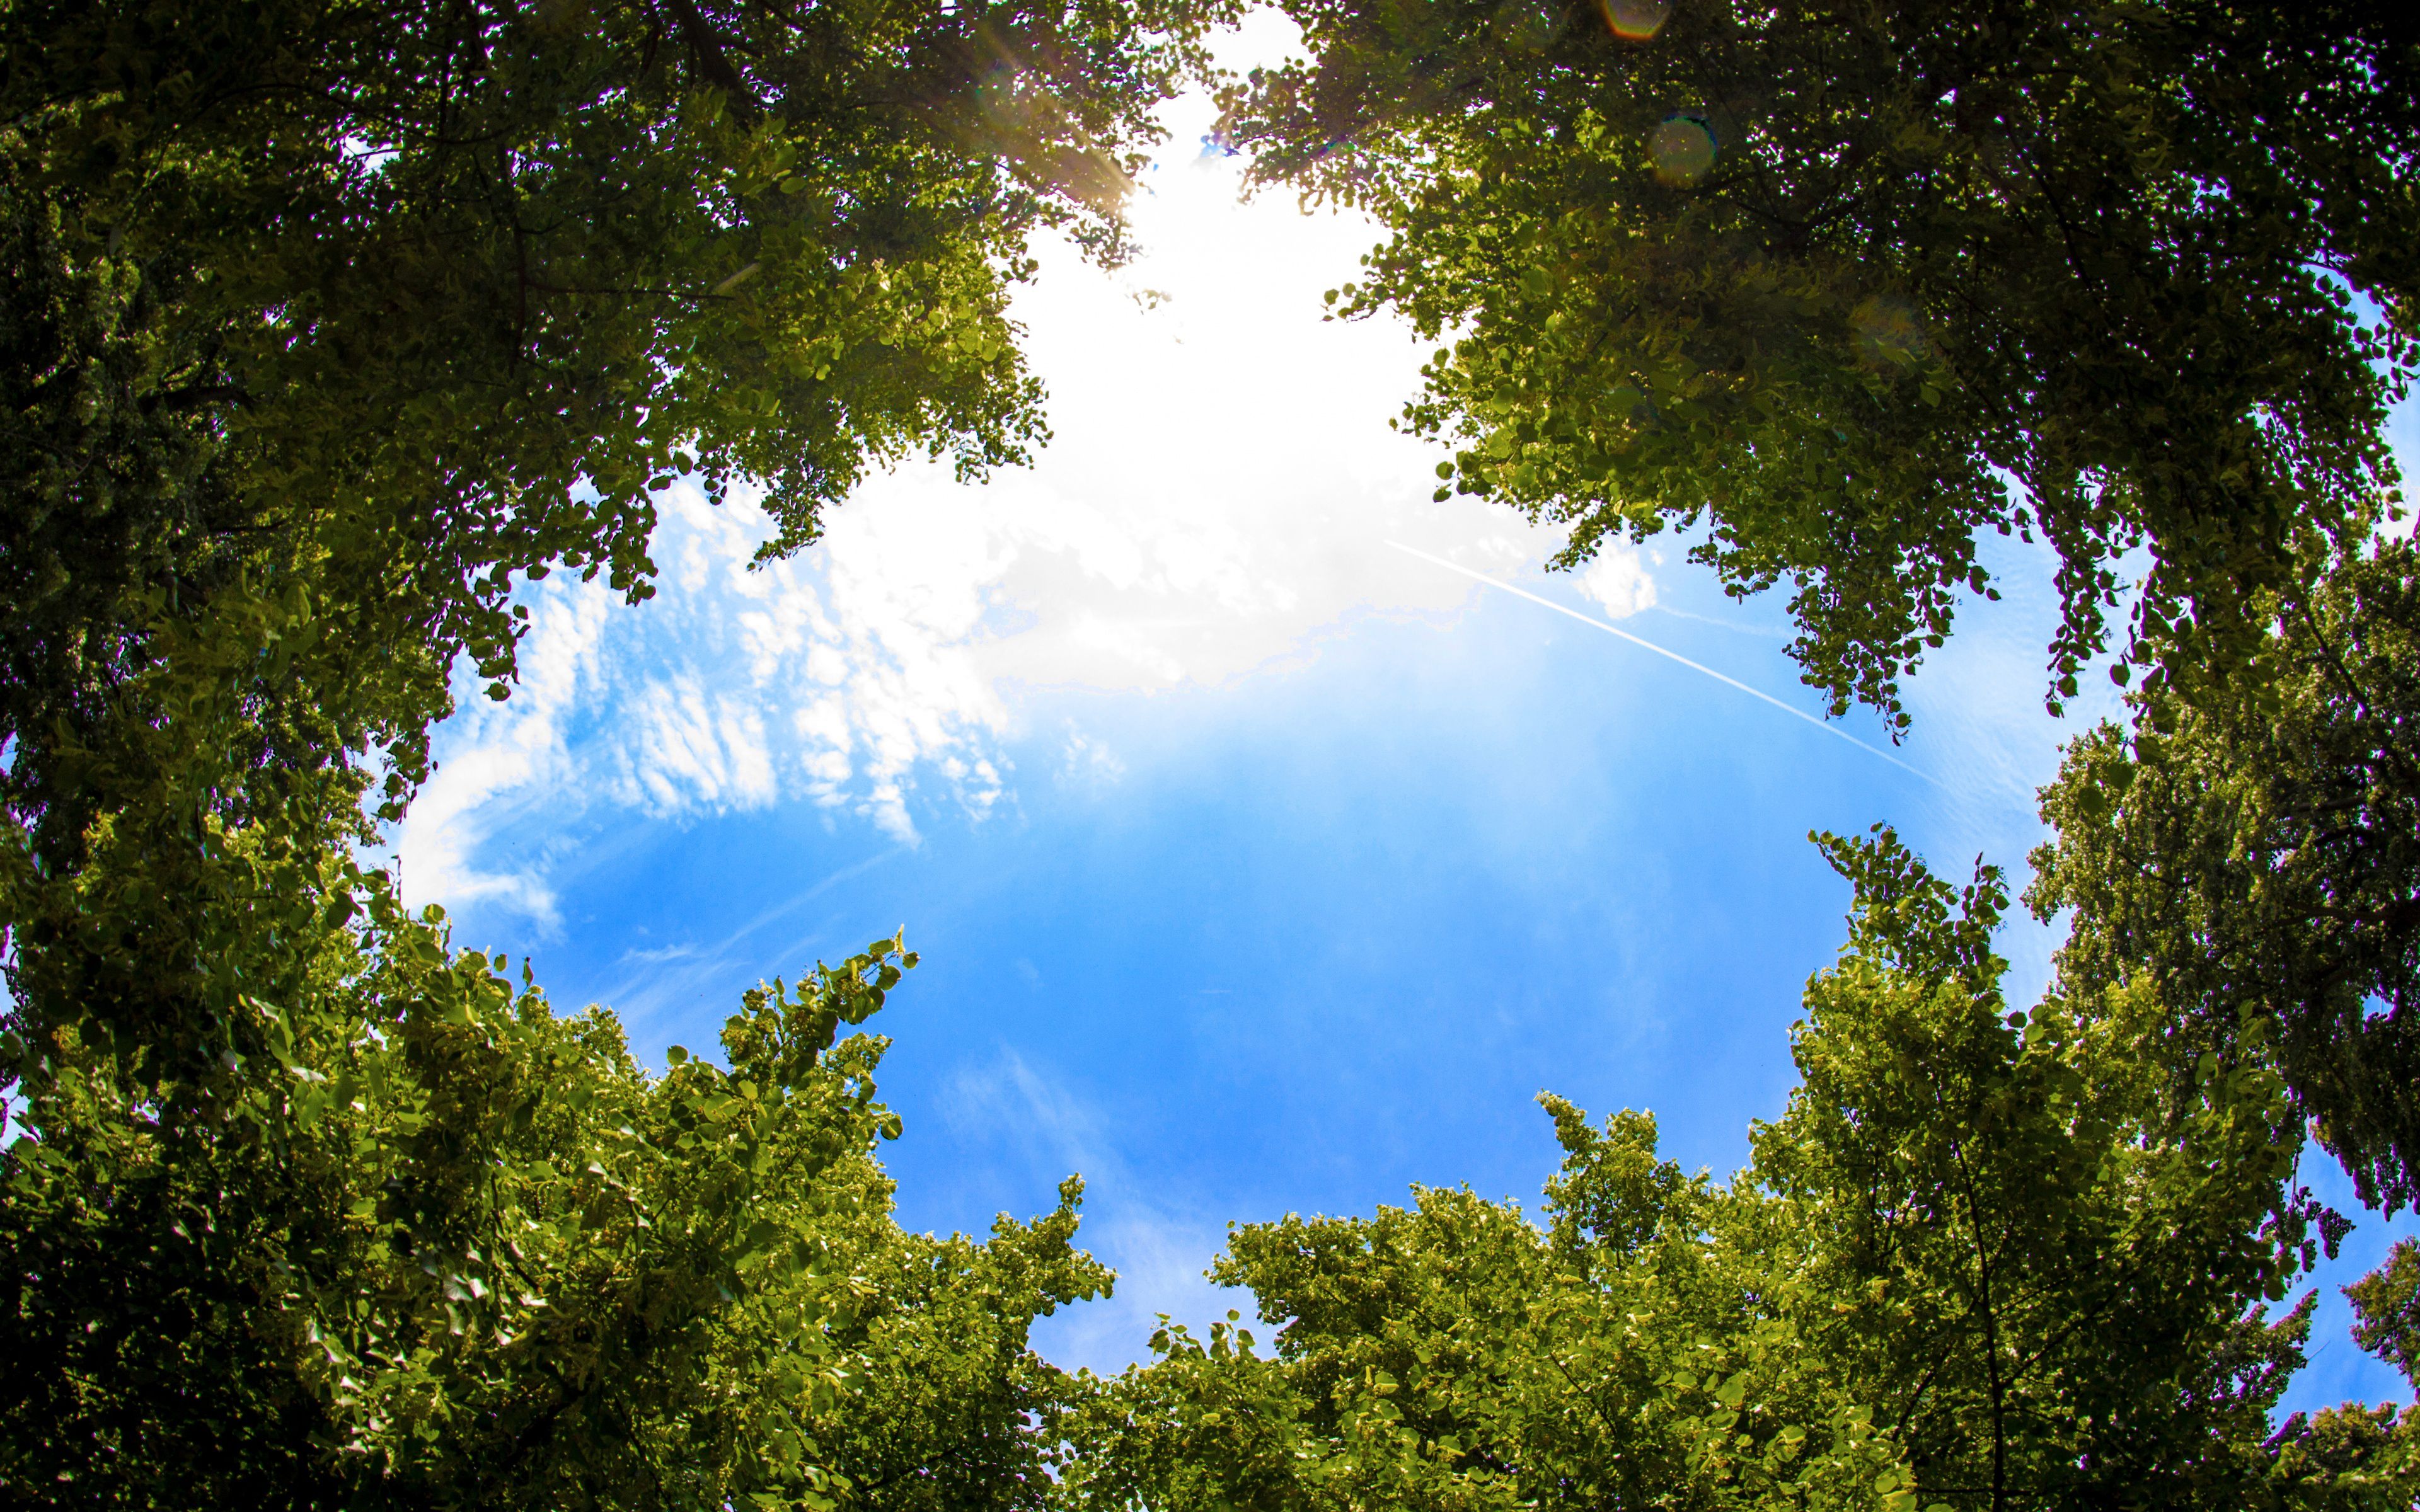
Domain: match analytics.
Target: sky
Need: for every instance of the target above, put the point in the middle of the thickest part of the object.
(1257, 863)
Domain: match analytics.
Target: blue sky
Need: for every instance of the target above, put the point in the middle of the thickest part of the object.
(1257, 866)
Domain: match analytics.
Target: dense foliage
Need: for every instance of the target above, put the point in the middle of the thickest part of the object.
(397, 303)
(324, 325)
(441, 1248)
(2254, 861)
(1983, 1260)
(321, 327)
(1849, 284)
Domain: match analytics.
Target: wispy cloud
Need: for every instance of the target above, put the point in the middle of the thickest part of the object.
(829, 682)
(1159, 1250)
(1221, 463)
(653, 979)
(1084, 758)
(1669, 655)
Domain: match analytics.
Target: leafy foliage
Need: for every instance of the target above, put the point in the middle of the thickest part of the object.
(2248, 867)
(2387, 1303)
(321, 328)
(1978, 1263)
(397, 302)
(439, 1246)
(1850, 285)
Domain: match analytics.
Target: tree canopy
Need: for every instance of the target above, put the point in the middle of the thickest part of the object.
(325, 327)
(328, 273)
(328, 323)
(1982, 1260)
(1846, 286)
(322, 328)
(440, 1246)
(2255, 862)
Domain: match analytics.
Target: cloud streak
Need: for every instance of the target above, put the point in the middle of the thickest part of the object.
(1593, 621)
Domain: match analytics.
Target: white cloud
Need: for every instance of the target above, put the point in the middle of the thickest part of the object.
(1220, 488)
(1618, 581)
(496, 758)
(1085, 759)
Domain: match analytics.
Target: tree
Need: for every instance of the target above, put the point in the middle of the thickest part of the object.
(1978, 1262)
(1850, 286)
(2248, 868)
(442, 1247)
(321, 329)
(401, 302)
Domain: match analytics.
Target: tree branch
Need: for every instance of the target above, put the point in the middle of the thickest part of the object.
(706, 49)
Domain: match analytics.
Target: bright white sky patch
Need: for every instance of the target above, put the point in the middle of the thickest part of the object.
(1618, 581)
(1219, 491)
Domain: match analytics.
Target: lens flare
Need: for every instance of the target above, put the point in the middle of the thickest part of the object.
(1635, 21)
(1020, 120)
(1889, 330)
(1683, 150)
(997, 95)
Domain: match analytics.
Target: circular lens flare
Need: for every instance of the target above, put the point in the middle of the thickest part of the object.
(1889, 330)
(1683, 150)
(1635, 21)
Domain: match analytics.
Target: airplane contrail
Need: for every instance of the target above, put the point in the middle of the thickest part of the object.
(1827, 727)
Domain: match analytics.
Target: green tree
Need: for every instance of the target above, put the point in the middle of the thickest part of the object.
(322, 328)
(1848, 286)
(1980, 1262)
(2387, 1303)
(401, 302)
(441, 1248)
(2245, 869)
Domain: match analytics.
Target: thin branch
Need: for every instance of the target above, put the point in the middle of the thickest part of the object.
(706, 49)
